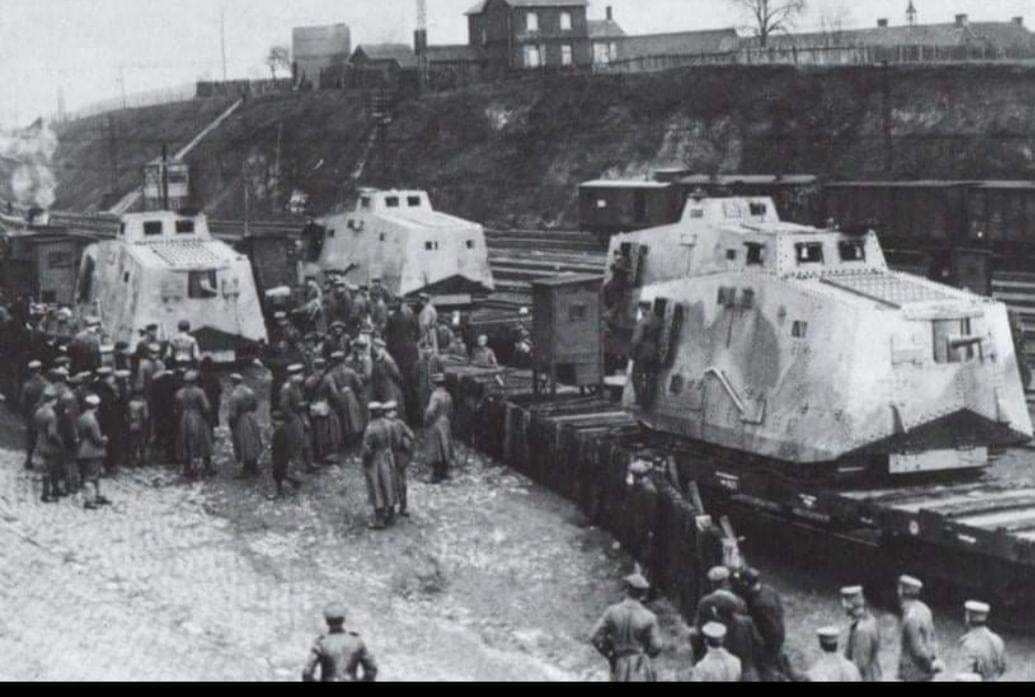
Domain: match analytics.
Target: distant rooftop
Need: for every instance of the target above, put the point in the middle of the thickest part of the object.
(400, 53)
(531, 4)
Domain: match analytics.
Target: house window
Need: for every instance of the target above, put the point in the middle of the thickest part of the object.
(566, 54)
(533, 59)
(532, 21)
(153, 227)
(201, 284)
(184, 227)
(566, 21)
(600, 53)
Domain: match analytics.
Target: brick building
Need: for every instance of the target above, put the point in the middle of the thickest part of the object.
(516, 34)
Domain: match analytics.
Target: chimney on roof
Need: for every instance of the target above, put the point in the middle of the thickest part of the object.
(1019, 21)
(882, 22)
(961, 21)
(610, 13)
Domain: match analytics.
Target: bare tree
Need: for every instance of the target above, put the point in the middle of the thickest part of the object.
(279, 58)
(771, 16)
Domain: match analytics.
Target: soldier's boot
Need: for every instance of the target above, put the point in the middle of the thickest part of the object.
(402, 503)
(210, 471)
(47, 487)
(377, 523)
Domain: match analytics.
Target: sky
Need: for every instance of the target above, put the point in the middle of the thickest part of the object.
(82, 47)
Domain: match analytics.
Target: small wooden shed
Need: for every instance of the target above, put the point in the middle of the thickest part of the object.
(566, 329)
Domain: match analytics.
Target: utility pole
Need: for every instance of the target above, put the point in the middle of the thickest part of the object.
(222, 38)
(276, 167)
(420, 45)
(122, 84)
(165, 177)
(113, 154)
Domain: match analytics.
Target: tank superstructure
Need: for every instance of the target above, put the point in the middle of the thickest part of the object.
(398, 237)
(164, 267)
(799, 346)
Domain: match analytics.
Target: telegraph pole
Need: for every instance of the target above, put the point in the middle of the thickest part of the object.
(113, 154)
(222, 38)
(122, 83)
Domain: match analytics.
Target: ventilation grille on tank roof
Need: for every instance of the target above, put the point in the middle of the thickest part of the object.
(890, 289)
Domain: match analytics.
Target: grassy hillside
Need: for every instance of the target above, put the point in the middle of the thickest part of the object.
(511, 154)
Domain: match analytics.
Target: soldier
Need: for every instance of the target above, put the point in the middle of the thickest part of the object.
(324, 440)
(711, 608)
(644, 504)
(482, 356)
(982, 649)
(428, 365)
(522, 341)
(443, 336)
(742, 637)
(210, 383)
(918, 658)
(766, 610)
(50, 444)
(195, 439)
(166, 384)
(386, 378)
(402, 451)
(31, 393)
(146, 369)
(401, 335)
(863, 645)
(137, 418)
(282, 453)
(345, 389)
(68, 416)
(85, 349)
(291, 403)
(379, 468)
(628, 636)
(93, 447)
(184, 348)
(718, 664)
(645, 354)
(427, 320)
(245, 432)
(831, 666)
(339, 654)
(438, 419)
(108, 413)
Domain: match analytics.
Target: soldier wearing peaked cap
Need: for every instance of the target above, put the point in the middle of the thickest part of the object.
(340, 655)
(918, 657)
(30, 395)
(863, 645)
(982, 649)
(628, 635)
(766, 610)
(194, 438)
(718, 664)
(832, 666)
(438, 417)
(713, 606)
(51, 446)
(379, 467)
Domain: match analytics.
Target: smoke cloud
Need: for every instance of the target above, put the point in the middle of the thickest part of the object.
(30, 153)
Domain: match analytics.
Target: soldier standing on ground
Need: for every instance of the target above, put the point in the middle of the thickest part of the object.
(93, 447)
(832, 666)
(766, 609)
(195, 438)
(402, 451)
(427, 319)
(711, 608)
(983, 650)
(379, 468)
(50, 444)
(184, 348)
(628, 636)
(718, 664)
(438, 419)
(137, 418)
(281, 455)
(291, 404)
(339, 654)
(918, 658)
(244, 426)
(863, 645)
(31, 393)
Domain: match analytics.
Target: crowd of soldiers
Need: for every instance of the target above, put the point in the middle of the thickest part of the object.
(738, 635)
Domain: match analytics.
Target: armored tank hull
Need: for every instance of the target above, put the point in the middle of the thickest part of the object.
(798, 347)
(398, 237)
(164, 268)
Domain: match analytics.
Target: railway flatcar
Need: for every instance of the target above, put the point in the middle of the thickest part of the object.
(799, 348)
(165, 267)
(398, 237)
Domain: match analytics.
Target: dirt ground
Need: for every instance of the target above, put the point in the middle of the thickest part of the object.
(493, 578)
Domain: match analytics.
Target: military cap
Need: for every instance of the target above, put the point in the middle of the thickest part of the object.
(639, 467)
(153, 327)
(375, 407)
(334, 613)
(851, 591)
(338, 355)
(750, 576)
(968, 677)
(35, 365)
(122, 374)
(911, 582)
(390, 406)
(828, 634)
(424, 296)
(636, 581)
(319, 362)
(93, 321)
(362, 339)
(338, 324)
(191, 376)
(523, 312)
(49, 393)
(64, 314)
(93, 400)
(59, 373)
(438, 379)
(976, 607)
(717, 574)
(714, 630)
(279, 315)
(295, 369)
(121, 346)
(104, 371)
(183, 325)
(63, 361)
(236, 377)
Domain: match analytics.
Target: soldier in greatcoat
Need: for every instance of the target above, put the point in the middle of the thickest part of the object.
(918, 657)
(403, 441)
(323, 440)
(195, 439)
(766, 610)
(831, 666)
(246, 434)
(428, 365)
(386, 378)
(628, 635)
(863, 645)
(291, 403)
(427, 321)
(30, 395)
(50, 445)
(327, 428)
(68, 411)
(438, 418)
(340, 655)
(379, 467)
(347, 393)
(982, 649)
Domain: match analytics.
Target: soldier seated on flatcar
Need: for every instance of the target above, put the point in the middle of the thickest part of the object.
(645, 354)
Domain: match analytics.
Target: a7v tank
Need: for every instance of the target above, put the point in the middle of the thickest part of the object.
(798, 347)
